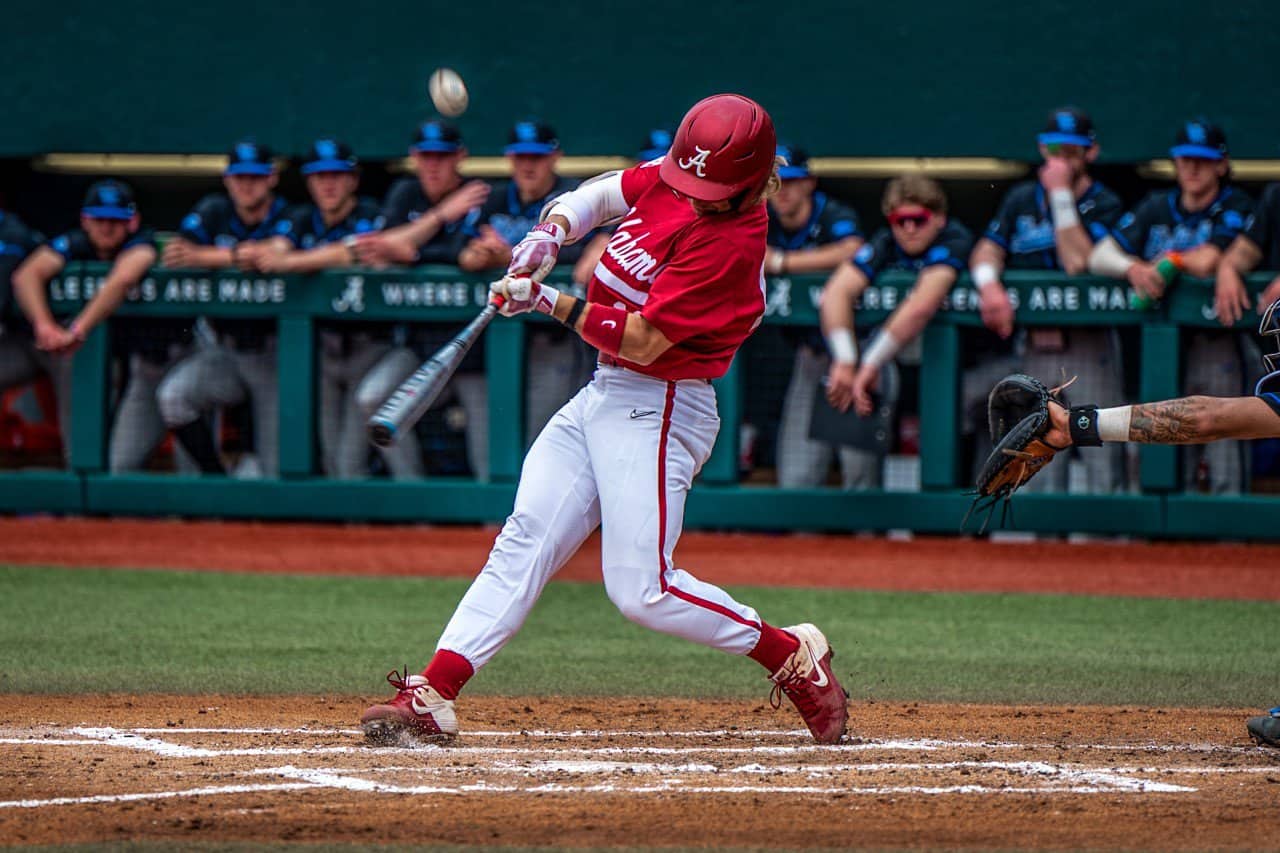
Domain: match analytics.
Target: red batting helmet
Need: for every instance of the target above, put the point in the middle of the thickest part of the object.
(724, 147)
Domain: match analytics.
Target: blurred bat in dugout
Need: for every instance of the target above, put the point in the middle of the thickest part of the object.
(410, 402)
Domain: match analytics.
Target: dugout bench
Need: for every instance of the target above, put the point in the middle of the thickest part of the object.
(444, 295)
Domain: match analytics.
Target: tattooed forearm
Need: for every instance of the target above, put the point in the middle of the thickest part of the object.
(1181, 421)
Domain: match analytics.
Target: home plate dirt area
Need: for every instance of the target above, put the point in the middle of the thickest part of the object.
(633, 772)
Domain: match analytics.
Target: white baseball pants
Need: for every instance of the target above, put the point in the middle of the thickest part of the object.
(620, 455)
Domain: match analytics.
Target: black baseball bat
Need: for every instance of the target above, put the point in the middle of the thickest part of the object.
(415, 395)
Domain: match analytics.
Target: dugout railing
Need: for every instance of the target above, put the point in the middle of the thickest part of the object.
(1159, 508)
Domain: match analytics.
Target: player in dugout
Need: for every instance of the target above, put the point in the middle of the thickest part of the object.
(322, 235)
(557, 364)
(110, 231)
(921, 238)
(1258, 246)
(1189, 227)
(1051, 223)
(229, 230)
(810, 232)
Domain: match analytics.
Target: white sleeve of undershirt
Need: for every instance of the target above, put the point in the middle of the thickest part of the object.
(1107, 258)
(593, 203)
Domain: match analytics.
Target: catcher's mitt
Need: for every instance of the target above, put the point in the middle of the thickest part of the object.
(1018, 412)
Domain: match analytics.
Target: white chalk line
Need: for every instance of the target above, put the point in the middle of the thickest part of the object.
(155, 795)
(561, 766)
(329, 778)
(530, 733)
(133, 738)
(1057, 778)
(744, 734)
(1107, 778)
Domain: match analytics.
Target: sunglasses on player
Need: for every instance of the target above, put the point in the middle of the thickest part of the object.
(917, 217)
(1062, 149)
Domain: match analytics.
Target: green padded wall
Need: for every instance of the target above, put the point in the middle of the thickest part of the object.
(850, 79)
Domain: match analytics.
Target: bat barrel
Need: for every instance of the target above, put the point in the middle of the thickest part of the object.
(382, 433)
(416, 394)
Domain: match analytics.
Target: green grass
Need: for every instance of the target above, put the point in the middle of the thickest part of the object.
(178, 632)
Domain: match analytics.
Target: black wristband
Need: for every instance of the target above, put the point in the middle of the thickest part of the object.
(1083, 422)
(575, 311)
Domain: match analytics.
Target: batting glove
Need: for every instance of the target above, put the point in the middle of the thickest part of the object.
(536, 254)
(523, 294)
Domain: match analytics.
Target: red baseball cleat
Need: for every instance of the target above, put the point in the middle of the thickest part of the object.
(809, 682)
(417, 711)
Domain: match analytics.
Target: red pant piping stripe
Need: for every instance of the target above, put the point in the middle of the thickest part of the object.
(662, 485)
(712, 606)
(662, 523)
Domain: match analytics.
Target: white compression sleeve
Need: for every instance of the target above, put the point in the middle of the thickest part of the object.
(594, 203)
(882, 349)
(984, 274)
(843, 346)
(1107, 258)
(1113, 424)
(1063, 204)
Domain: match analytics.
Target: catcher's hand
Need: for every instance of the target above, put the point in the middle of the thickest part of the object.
(1028, 426)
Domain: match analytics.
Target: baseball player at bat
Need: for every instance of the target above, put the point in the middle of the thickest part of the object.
(678, 290)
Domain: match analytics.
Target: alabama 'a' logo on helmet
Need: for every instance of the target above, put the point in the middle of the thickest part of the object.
(698, 162)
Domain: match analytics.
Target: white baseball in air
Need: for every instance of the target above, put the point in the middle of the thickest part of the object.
(448, 92)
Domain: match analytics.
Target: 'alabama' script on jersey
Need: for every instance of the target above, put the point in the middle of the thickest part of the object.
(698, 279)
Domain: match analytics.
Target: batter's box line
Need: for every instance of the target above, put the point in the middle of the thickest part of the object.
(800, 734)
(1080, 783)
(129, 739)
(157, 795)
(561, 766)
(531, 733)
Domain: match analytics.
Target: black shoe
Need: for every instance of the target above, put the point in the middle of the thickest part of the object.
(1266, 729)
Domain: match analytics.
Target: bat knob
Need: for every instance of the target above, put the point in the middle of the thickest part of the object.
(382, 434)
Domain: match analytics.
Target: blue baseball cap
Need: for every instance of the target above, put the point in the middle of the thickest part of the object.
(532, 137)
(109, 199)
(1201, 139)
(247, 157)
(329, 155)
(437, 136)
(656, 143)
(797, 163)
(1068, 126)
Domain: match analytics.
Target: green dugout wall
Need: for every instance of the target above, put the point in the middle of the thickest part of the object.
(443, 294)
(847, 79)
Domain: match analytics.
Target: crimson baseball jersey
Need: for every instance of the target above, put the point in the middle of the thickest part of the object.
(698, 279)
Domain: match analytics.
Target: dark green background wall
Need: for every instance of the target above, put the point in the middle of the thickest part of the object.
(886, 78)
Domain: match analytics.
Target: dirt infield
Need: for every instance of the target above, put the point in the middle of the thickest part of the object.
(627, 772)
(1181, 570)
(633, 772)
